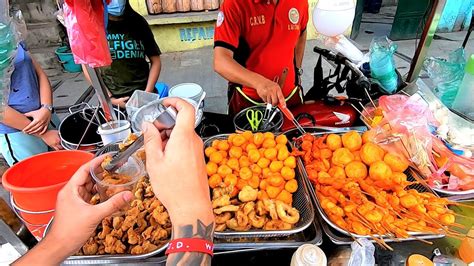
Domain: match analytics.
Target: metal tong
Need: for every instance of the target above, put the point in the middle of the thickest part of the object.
(166, 119)
(288, 114)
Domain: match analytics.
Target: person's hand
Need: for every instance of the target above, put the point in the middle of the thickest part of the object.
(39, 125)
(75, 219)
(270, 92)
(119, 101)
(52, 139)
(176, 166)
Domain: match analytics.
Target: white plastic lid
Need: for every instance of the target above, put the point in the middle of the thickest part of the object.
(309, 255)
(186, 90)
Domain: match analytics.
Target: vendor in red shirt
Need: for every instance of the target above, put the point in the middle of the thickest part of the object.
(254, 41)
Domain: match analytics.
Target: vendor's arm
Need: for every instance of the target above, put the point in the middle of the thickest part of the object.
(187, 198)
(42, 116)
(299, 53)
(228, 68)
(155, 69)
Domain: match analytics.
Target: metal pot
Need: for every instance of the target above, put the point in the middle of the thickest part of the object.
(73, 127)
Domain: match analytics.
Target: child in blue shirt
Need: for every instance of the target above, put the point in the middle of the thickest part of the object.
(28, 126)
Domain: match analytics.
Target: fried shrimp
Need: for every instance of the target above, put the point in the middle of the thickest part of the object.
(287, 213)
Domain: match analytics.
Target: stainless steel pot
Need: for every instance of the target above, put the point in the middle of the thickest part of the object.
(73, 127)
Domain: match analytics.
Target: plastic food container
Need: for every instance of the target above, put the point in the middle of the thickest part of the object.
(190, 91)
(132, 171)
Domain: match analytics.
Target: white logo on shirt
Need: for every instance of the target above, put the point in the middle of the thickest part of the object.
(294, 15)
(220, 18)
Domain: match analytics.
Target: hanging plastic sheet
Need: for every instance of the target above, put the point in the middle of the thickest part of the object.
(85, 25)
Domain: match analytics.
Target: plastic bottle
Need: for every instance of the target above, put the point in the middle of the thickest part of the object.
(382, 65)
(308, 255)
(464, 101)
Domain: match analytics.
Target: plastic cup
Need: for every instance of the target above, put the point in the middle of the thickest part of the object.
(114, 131)
(130, 172)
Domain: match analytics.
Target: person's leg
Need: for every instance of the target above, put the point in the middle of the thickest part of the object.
(18, 146)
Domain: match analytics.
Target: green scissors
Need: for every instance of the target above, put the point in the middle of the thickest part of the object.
(254, 117)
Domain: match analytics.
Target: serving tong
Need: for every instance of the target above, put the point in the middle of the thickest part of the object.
(165, 118)
(288, 114)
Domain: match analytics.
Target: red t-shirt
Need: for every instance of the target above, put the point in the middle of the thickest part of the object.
(263, 36)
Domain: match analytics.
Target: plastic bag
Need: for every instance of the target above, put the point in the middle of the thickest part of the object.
(382, 65)
(362, 253)
(85, 25)
(446, 74)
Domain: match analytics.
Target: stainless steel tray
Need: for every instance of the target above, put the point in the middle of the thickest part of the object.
(301, 201)
(223, 246)
(312, 191)
(100, 258)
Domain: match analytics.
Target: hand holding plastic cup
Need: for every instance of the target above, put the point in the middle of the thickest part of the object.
(124, 178)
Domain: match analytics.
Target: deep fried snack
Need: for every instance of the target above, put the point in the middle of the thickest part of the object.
(222, 218)
(233, 224)
(221, 201)
(220, 227)
(90, 247)
(248, 194)
(228, 208)
(287, 213)
(257, 221)
(276, 225)
(271, 208)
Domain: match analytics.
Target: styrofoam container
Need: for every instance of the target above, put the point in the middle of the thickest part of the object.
(114, 131)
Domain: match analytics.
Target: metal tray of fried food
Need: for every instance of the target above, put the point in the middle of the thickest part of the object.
(386, 238)
(222, 246)
(301, 202)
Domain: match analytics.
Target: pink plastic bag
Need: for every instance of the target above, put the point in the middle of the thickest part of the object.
(85, 25)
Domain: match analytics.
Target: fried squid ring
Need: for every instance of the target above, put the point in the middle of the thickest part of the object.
(242, 219)
(287, 213)
(257, 221)
(270, 207)
(222, 218)
(232, 224)
(276, 225)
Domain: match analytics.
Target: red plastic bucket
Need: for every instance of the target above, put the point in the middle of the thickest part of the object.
(36, 222)
(36, 181)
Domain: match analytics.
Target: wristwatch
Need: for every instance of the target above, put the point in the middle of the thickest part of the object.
(299, 71)
(48, 106)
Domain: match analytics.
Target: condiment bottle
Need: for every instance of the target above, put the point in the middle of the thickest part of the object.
(308, 255)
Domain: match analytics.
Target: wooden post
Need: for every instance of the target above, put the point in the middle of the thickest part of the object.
(169, 6)
(197, 5)
(154, 6)
(183, 5)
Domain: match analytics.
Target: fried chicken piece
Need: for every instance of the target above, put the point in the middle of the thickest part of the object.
(228, 208)
(90, 247)
(137, 250)
(222, 201)
(133, 237)
(158, 235)
(95, 199)
(141, 225)
(129, 222)
(141, 155)
(117, 233)
(128, 141)
(161, 217)
(148, 246)
(117, 222)
(147, 233)
(106, 229)
(149, 192)
(221, 191)
(113, 245)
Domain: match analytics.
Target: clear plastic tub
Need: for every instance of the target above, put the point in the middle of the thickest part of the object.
(139, 99)
(125, 178)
